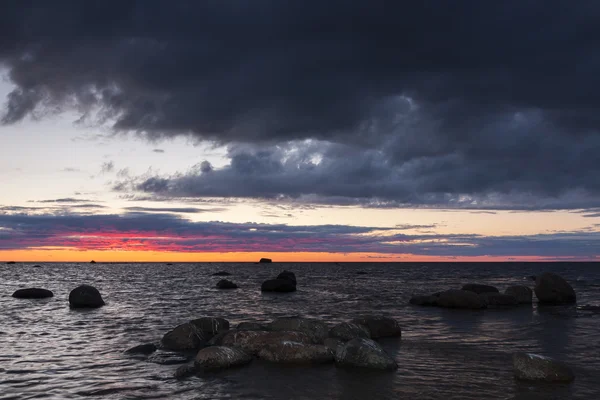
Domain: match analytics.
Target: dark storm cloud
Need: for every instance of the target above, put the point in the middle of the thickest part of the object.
(435, 103)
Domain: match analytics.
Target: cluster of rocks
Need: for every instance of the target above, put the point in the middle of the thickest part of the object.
(290, 340)
(549, 289)
(84, 296)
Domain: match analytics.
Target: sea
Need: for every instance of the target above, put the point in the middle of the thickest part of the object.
(49, 351)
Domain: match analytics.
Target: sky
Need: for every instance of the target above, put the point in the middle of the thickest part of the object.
(300, 130)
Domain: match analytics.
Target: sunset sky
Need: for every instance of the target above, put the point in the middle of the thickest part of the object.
(324, 131)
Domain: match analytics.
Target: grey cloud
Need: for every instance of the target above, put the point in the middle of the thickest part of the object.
(62, 200)
(107, 167)
(158, 151)
(71, 169)
(187, 210)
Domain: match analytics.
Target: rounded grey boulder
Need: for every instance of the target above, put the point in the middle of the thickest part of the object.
(379, 326)
(219, 357)
(193, 334)
(460, 299)
(315, 329)
(253, 341)
(533, 367)
(347, 331)
(364, 353)
(85, 296)
(477, 288)
(553, 289)
(32, 293)
(523, 294)
(290, 352)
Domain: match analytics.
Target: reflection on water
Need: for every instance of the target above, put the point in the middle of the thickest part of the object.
(50, 351)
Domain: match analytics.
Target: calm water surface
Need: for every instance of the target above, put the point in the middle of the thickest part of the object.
(49, 351)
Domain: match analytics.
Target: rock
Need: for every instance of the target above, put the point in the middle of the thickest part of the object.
(11, 262)
(146, 349)
(476, 288)
(185, 371)
(194, 334)
(499, 300)
(296, 353)
(253, 341)
(347, 331)
(533, 367)
(85, 296)
(169, 264)
(333, 344)
(424, 300)
(225, 284)
(221, 273)
(250, 326)
(364, 353)
(218, 357)
(315, 329)
(523, 294)
(278, 285)
(217, 340)
(287, 275)
(589, 307)
(552, 289)
(379, 326)
(37, 266)
(168, 358)
(460, 299)
(362, 273)
(32, 293)
(92, 262)
(265, 260)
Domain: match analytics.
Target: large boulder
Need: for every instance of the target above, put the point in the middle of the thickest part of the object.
(226, 284)
(379, 326)
(278, 285)
(32, 293)
(289, 275)
(85, 296)
(533, 367)
(430, 300)
(145, 349)
(253, 341)
(296, 353)
(315, 329)
(523, 294)
(251, 326)
(553, 289)
(460, 299)
(194, 334)
(218, 357)
(499, 300)
(477, 288)
(364, 353)
(346, 331)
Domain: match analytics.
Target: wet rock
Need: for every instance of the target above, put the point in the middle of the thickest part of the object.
(185, 371)
(217, 339)
(167, 358)
(253, 341)
(499, 300)
(32, 293)
(477, 288)
(523, 294)
(265, 260)
(379, 326)
(333, 344)
(221, 273)
(251, 326)
(278, 285)
(424, 300)
(460, 299)
(219, 357)
(85, 296)
(533, 367)
(287, 275)
(11, 262)
(145, 349)
(553, 289)
(296, 353)
(225, 284)
(315, 329)
(194, 334)
(92, 262)
(347, 331)
(364, 353)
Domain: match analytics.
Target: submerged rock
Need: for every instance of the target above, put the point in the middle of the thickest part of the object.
(278, 285)
(296, 353)
(193, 334)
(533, 367)
(250, 326)
(145, 349)
(362, 273)
(479, 289)
(347, 331)
(167, 358)
(32, 293)
(424, 300)
(315, 329)
(265, 260)
(499, 300)
(364, 353)
(553, 289)
(460, 299)
(253, 341)
(225, 284)
(221, 273)
(379, 326)
(185, 371)
(523, 294)
(219, 357)
(85, 296)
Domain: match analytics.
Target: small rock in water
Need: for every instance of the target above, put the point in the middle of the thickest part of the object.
(32, 293)
(185, 371)
(460, 299)
(553, 289)
(523, 294)
(347, 331)
(145, 349)
(499, 300)
(289, 275)
(168, 358)
(424, 300)
(11, 262)
(219, 357)
(477, 288)
(379, 326)
(92, 262)
(296, 353)
(364, 353)
(361, 273)
(37, 266)
(533, 367)
(225, 284)
(315, 329)
(221, 273)
(265, 260)
(85, 296)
